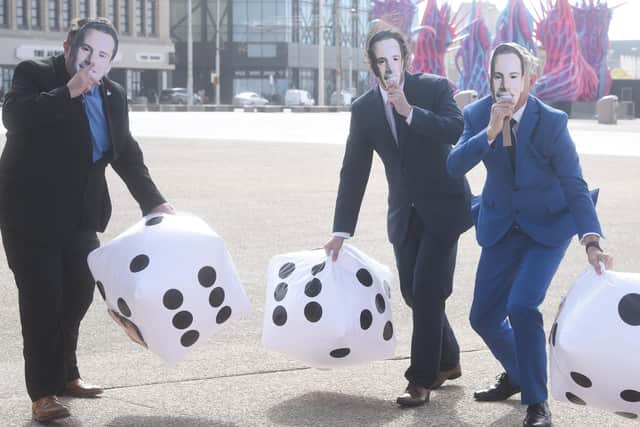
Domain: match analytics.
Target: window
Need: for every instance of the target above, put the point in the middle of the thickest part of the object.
(262, 21)
(35, 15)
(139, 14)
(53, 15)
(83, 8)
(3, 13)
(21, 10)
(6, 77)
(151, 17)
(135, 80)
(66, 14)
(111, 11)
(123, 18)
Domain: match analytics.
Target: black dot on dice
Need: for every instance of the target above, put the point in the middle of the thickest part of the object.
(139, 263)
(574, 399)
(223, 314)
(339, 353)
(281, 291)
(629, 415)
(189, 338)
(279, 316)
(364, 277)
(216, 297)
(630, 396)
(154, 221)
(380, 304)
(101, 289)
(629, 309)
(317, 268)
(124, 308)
(387, 333)
(581, 380)
(182, 320)
(207, 276)
(554, 329)
(313, 288)
(313, 311)
(172, 299)
(365, 319)
(286, 270)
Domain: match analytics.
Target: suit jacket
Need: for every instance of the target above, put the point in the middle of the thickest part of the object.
(415, 167)
(48, 183)
(546, 196)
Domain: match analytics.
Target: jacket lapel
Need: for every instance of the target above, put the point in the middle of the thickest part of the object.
(381, 116)
(526, 127)
(106, 90)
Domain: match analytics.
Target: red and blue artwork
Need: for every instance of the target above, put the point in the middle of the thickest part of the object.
(567, 76)
(434, 36)
(515, 24)
(472, 58)
(592, 25)
(398, 13)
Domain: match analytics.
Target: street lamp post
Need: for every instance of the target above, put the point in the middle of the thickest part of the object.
(218, 73)
(320, 53)
(189, 54)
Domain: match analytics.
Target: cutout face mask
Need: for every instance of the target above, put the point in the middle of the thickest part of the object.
(507, 79)
(92, 47)
(389, 62)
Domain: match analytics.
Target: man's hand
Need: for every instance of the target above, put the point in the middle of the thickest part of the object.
(397, 99)
(501, 110)
(82, 81)
(165, 208)
(333, 246)
(595, 256)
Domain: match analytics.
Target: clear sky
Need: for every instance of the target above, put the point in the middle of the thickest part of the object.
(625, 24)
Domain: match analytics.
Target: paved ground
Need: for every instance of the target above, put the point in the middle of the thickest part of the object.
(275, 197)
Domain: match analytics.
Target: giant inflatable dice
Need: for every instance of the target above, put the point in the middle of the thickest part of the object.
(328, 314)
(594, 345)
(169, 282)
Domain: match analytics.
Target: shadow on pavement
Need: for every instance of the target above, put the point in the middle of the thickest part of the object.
(154, 421)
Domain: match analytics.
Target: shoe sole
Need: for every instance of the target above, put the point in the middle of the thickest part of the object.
(494, 400)
(452, 376)
(51, 417)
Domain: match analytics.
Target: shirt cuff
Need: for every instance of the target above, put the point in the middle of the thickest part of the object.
(589, 234)
(342, 234)
(409, 117)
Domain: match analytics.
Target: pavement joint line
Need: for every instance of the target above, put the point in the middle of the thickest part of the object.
(248, 374)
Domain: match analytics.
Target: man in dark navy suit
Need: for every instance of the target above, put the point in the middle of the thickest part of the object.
(66, 121)
(411, 121)
(533, 202)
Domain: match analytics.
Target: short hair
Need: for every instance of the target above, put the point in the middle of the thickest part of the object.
(379, 34)
(79, 25)
(528, 63)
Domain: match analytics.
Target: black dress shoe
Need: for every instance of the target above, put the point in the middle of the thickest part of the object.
(501, 390)
(414, 395)
(538, 415)
(447, 374)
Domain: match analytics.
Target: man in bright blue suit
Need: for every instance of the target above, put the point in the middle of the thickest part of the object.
(533, 202)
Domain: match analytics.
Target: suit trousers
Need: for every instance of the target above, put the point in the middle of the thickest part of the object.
(55, 290)
(511, 282)
(426, 265)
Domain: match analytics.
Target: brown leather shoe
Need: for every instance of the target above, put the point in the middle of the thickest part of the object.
(449, 374)
(78, 388)
(414, 395)
(48, 408)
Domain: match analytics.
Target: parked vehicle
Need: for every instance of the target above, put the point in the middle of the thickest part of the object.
(178, 95)
(249, 98)
(298, 97)
(345, 99)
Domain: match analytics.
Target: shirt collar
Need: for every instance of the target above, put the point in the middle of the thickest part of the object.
(93, 91)
(517, 116)
(385, 95)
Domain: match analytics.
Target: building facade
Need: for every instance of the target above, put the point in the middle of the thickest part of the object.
(32, 29)
(269, 46)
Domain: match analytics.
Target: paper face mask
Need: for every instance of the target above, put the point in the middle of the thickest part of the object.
(507, 80)
(92, 47)
(389, 61)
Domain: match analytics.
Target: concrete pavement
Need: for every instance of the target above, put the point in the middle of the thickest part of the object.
(267, 197)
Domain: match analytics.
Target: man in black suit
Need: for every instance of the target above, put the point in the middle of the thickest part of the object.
(411, 121)
(65, 122)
